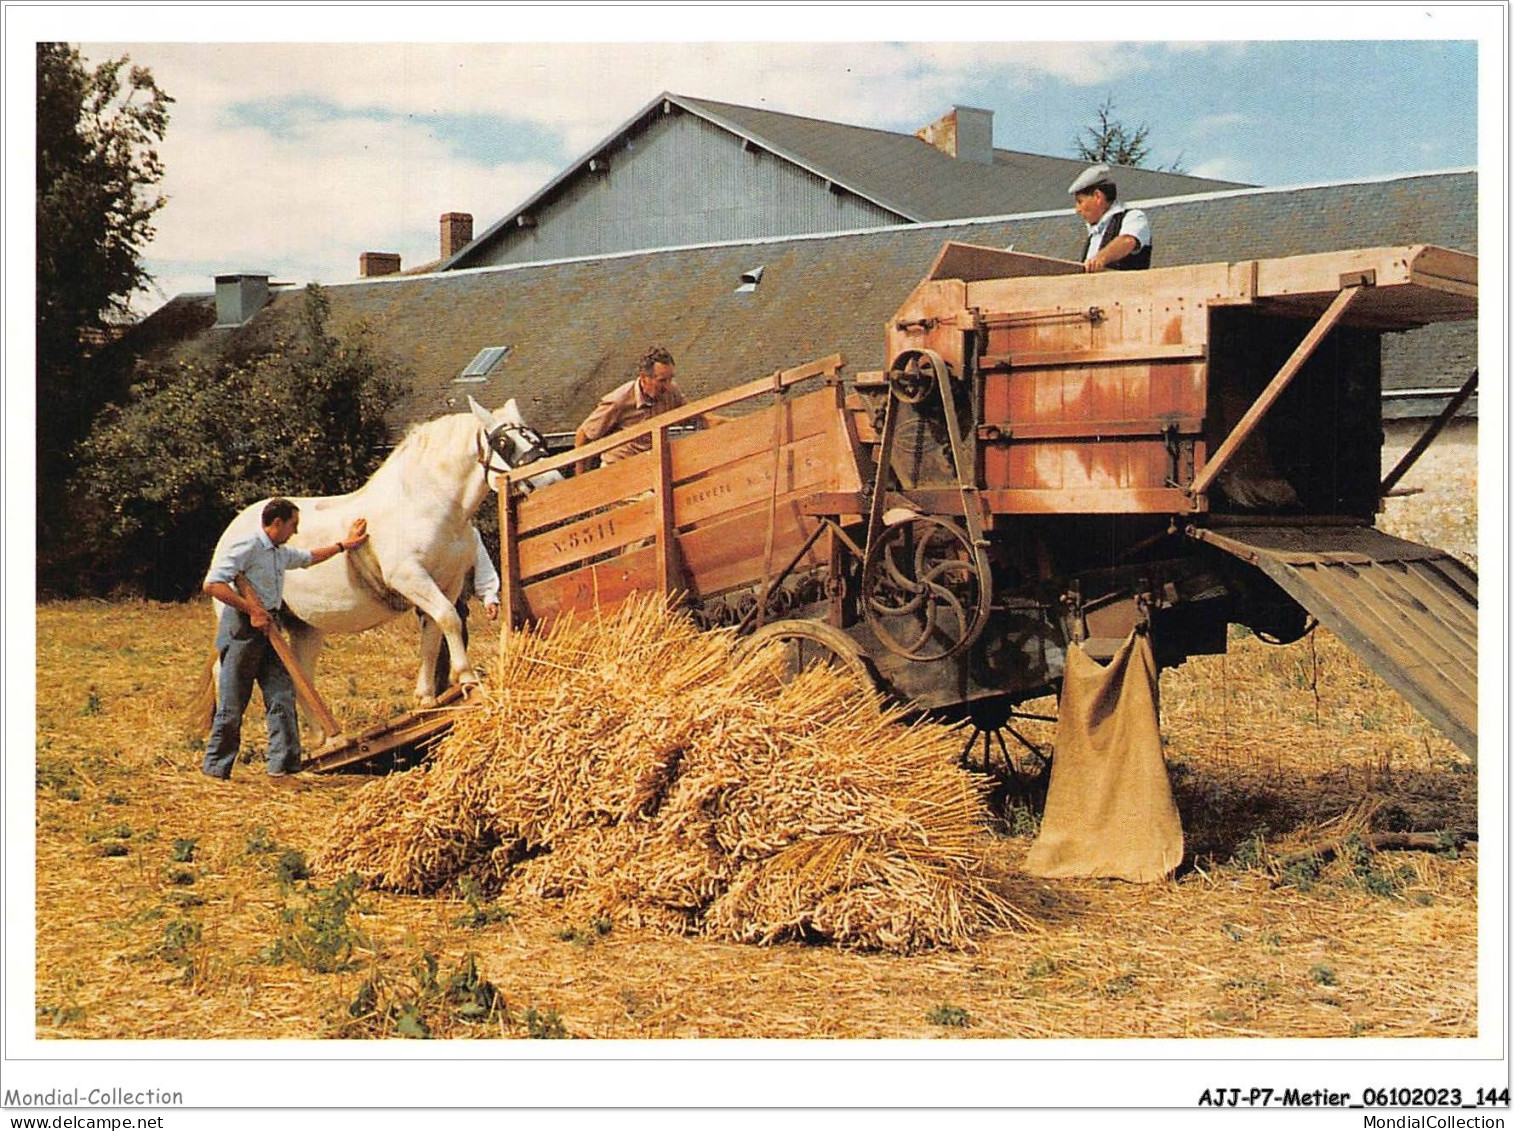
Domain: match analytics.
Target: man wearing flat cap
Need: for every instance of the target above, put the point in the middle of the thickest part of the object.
(1119, 238)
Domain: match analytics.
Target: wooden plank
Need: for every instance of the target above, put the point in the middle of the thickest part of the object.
(1077, 393)
(1269, 395)
(410, 729)
(1137, 500)
(1443, 263)
(824, 367)
(723, 555)
(767, 554)
(807, 465)
(600, 533)
(1073, 295)
(1449, 286)
(808, 415)
(1320, 274)
(1109, 355)
(584, 493)
(691, 455)
(833, 503)
(669, 574)
(1010, 432)
(728, 554)
(1076, 466)
(1177, 390)
(509, 565)
(847, 449)
(973, 262)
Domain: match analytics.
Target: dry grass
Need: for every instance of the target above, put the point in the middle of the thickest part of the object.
(1271, 748)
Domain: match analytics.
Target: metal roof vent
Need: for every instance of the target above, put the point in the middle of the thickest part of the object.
(239, 296)
(483, 364)
(750, 279)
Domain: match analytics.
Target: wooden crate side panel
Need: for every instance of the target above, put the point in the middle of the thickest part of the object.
(803, 467)
(936, 300)
(582, 493)
(808, 415)
(1199, 282)
(1121, 388)
(722, 555)
(691, 455)
(726, 554)
(600, 533)
(1052, 465)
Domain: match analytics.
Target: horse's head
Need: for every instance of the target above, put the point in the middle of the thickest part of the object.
(505, 440)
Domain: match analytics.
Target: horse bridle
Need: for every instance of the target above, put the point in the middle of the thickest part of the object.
(536, 447)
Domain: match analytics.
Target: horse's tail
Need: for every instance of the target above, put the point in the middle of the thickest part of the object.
(201, 711)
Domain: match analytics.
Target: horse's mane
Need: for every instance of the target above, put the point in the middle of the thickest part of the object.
(431, 441)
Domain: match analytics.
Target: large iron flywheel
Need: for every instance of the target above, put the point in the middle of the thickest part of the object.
(926, 588)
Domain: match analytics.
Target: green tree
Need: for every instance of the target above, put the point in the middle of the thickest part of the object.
(194, 443)
(1110, 141)
(97, 169)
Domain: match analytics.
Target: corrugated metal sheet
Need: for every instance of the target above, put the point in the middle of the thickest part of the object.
(1408, 610)
(683, 180)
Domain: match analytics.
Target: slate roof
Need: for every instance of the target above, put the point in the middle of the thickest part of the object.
(920, 182)
(896, 171)
(576, 327)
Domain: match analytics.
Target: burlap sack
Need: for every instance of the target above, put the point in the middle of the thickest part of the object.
(1109, 807)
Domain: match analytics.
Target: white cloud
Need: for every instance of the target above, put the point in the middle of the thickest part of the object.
(1212, 123)
(1224, 169)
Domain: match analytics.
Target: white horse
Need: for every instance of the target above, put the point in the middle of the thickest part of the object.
(419, 505)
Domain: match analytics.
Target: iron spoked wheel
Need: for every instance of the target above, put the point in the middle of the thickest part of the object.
(925, 589)
(804, 644)
(1021, 767)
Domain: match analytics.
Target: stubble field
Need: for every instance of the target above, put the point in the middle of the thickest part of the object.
(171, 906)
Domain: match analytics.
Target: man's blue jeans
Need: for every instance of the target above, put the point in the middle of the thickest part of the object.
(247, 658)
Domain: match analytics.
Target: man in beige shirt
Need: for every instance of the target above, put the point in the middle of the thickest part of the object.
(650, 393)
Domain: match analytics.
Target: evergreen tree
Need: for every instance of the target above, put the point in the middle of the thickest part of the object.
(1110, 142)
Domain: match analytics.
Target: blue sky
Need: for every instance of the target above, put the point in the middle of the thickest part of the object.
(295, 157)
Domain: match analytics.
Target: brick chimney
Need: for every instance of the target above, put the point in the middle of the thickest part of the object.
(965, 133)
(457, 232)
(372, 263)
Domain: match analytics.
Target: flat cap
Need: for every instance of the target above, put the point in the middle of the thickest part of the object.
(1090, 177)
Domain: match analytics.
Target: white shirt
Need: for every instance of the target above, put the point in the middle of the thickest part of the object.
(1135, 225)
(485, 576)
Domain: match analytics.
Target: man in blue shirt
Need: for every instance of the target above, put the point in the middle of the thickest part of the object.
(242, 642)
(1119, 238)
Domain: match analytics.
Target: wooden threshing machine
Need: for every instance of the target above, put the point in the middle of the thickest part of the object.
(1050, 457)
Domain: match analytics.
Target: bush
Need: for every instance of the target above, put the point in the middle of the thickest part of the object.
(195, 443)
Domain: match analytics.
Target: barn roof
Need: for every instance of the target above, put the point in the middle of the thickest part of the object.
(575, 327)
(898, 172)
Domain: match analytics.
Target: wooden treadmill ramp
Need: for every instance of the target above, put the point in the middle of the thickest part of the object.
(412, 729)
(1408, 610)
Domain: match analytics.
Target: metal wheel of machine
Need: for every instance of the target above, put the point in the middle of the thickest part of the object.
(914, 376)
(926, 589)
(1021, 770)
(803, 644)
